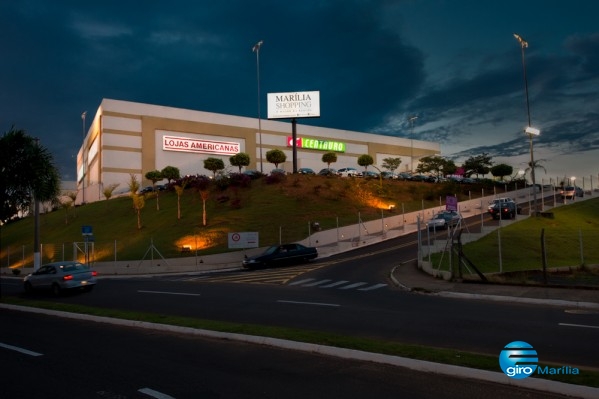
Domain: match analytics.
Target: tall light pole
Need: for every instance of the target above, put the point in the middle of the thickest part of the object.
(412, 119)
(37, 254)
(531, 131)
(83, 155)
(256, 49)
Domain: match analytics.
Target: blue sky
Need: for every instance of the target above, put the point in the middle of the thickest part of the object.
(455, 64)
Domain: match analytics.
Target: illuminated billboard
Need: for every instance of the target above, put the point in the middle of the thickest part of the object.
(297, 104)
(316, 144)
(184, 144)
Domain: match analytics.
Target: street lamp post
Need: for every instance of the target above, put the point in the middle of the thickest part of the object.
(412, 119)
(256, 49)
(83, 155)
(529, 129)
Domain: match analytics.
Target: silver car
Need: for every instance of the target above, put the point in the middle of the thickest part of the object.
(60, 276)
(444, 220)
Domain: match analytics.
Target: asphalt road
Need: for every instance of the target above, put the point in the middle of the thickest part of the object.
(55, 358)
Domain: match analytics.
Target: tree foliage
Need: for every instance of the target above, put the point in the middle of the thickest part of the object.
(240, 159)
(501, 170)
(365, 160)
(27, 172)
(170, 173)
(478, 165)
(214, 165)
(391, 164)
(329, 158)
(435, 164)
(276, 157)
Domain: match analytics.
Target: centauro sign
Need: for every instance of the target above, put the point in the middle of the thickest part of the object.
(184, 144)
(316, 144)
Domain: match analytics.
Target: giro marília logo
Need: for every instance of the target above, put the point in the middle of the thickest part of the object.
(518, 359)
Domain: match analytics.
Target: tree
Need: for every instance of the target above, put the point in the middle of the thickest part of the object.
(501, 170)
(139, 201)
(535, 166)
(27, 173)
(365, 160)
(214, 165)
(276, 156)
(240, 159)
(108, 190)
(478, 165)
(179, 189)
(329, 158)
(433, 164)
(170, 173)
(391, 164)
(154, 176)
(202, 184)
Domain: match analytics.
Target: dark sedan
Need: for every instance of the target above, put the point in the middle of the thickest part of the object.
(281, 255)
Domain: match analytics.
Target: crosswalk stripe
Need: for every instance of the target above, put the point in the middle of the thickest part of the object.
(302, 281)
(335, 284)
(316, 283)
(354, 285)
(372, 287)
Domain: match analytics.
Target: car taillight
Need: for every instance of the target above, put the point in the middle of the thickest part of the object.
(94, 273)
(67, 277)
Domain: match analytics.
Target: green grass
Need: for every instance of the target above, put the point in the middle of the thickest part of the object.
(572, 230)
(285, 208)
(587, 377)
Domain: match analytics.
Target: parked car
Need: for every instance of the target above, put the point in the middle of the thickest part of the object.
(148, 189)
(444, 220)
(58, 277)
(348, 172)
(328, 172)
(404, 176)
(504, 210)
(369, 174)
(281, 255)
(278, 172)
(305, 171)
(570, 192)
(252, 173)
(388, 175)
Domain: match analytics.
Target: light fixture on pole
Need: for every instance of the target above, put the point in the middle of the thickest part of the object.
(412, 119)
(531, 131)
(83, 155)
(256, 49)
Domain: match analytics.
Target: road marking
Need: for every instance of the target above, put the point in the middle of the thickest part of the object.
(335, 284)
(167, 293)
(372, 287)
(316, 283)
(309, 303)
(301, 281)
(17, 349)
(154, 394)
(576, 325)
(354, 285)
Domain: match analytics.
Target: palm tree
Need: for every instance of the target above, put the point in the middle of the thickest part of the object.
(535, 166)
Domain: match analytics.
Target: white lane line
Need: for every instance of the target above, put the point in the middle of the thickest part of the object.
(372, 287)
(335, 284)
(354, 285)
(17, 349)
(309, 303)
(316, 283)
(154, 394)
(576, 325)
(301, 281)
(167, 293)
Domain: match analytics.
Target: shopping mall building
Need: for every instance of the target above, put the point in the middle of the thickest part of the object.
(127, 138)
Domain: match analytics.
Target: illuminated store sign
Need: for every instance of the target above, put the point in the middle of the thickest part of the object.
(302, 104)
(184, 144)
(316, 144)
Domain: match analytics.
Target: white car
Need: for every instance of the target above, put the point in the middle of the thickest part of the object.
(348, 172)
(61, 276)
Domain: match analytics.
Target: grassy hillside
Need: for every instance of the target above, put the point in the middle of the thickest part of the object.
(276, 208)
